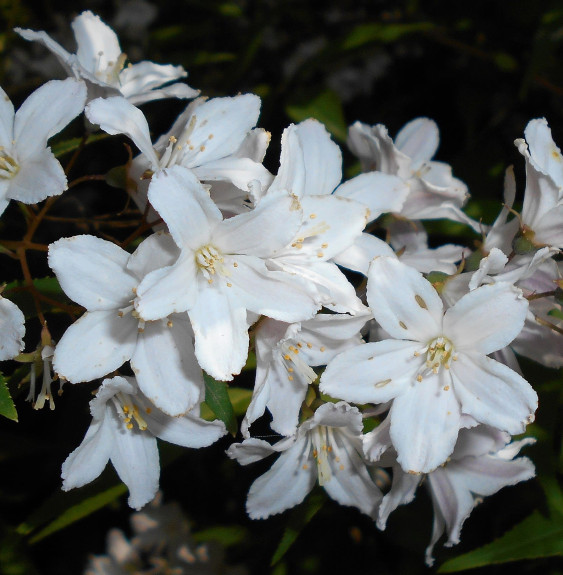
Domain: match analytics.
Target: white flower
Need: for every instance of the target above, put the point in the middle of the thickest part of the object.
(29, 171)
(103, 278)
(100, 62)
(327, 447)
(436, 368)
(285, 355)
(545, 156)
(12, 329)
(123, 430)
(220, 273)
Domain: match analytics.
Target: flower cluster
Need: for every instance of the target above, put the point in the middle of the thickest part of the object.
(347, 329)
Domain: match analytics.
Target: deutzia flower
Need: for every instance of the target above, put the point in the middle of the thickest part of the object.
(124, 428)
(29, 171)
(436, 366)
(100, 62)
(103, 278)
(327, 447)
(220, 273)
(12, 329)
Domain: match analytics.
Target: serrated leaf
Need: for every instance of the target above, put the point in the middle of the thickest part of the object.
(218, 400)
(326, 108)
(383, 33)
(7, 407)
(536, 536)
(226, 535)
(66, 146)
(81, 510)
(298, 519)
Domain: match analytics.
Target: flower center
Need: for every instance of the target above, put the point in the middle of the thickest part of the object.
(128, 411)
(439, 352)
(209, 260)
(321, 451)
(295, 365)
(110, 72)
(8, 166)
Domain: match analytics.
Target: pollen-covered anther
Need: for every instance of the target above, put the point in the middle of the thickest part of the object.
(8, 166)
(128, 411)
(208, 259)
(439, 353)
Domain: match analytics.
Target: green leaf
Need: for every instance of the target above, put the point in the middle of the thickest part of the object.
(240, 400)
(297, 521)
(383, 33)
(326, 108)
(67, 146)
(217, 398)
(7, 407)
(226, 535)
(556, 313)
(81, 510)
(536, 536)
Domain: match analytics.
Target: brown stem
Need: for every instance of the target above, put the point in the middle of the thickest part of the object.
(540, 295)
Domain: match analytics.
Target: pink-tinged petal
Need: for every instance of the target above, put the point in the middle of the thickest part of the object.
(286, 484)
(381, 193)
(95, 345)
(544, 153)
(549, 229)
(402, 301)
(419, 139)
(45, 113)
(90, 458)
(425, 422)
(97, 44)
(263, 231)
(258, 289)
(479, 441)
(135, 458)
(492, 393)
(166, 367)
(185, 206)
(39, 177)
(168, 290)
(6, 121)
(372, 373)
(322, 158)
(486, 319)
(12, 329)
(118, 116)
(221, 332)
(360, 254)
(92, 272)
(239, 171)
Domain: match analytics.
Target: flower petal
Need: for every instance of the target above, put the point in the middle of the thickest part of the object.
(418, 139)
(12, 329)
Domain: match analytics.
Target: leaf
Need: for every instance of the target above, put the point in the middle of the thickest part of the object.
(536, 536)
(67, 146)
(240, 400)
(383, 33)
(81, 510)
(7, 407)
(226, 535)
(217, 398)
(326, 108)
(297, 521)
(18, 293)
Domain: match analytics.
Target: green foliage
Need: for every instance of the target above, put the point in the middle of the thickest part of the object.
(71, 145)
(227, 535)
(383, 33)
(7, 407)
(218, 400)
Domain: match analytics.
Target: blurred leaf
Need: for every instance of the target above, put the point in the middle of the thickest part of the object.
(49, 287)
(13, 559)
(298, 519)
(226, 535)
(67, 146)
(505, 61)
(326, 108)
(7, 407)
(536, 536)
(81, 510)
(217, 398)
(557, 313)
(202, 58)
(384, 33)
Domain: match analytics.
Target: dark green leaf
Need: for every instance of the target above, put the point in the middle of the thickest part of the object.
(537, 536)
(67, 146)
(297, 521)
(217, 398)
(226, 535)
(326, 108)
(383, 33)
(7, 407)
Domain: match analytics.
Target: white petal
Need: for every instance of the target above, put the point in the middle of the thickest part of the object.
(239, 171)
(418, 139)
(118, 116)
(95, 345)
(291, 173)
(544, 152)
(67, 60)
(372, 373)
(6, 121)
(402, 492)
(360, 254)
(166, 367)
(492, 393)
(221, 332)
(154, 252)
(12, 329)
(425, 421)
(251, 450)
(92, 272)
(145, 77)
(45, 113)
(486, 319)
(285, 485)
(402, 301)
